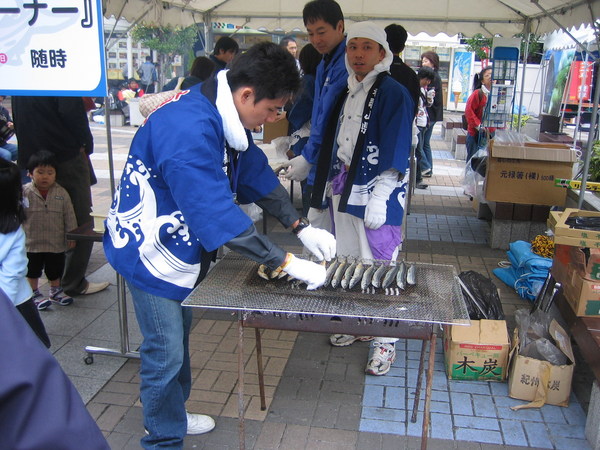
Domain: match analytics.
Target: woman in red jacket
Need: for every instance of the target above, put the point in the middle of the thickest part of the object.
(476, 134)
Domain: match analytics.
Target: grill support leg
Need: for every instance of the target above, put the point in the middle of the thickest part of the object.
(259, 364)
(241, 381)
(413, 418)
(425, 430)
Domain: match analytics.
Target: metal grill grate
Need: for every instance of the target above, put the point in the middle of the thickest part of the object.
(233, 283)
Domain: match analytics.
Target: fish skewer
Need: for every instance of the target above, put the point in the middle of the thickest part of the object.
(365, 282)
(390, 277)
(339, 273)
(378, 276)
(331, 271)
(411, 275)
(348, 274)
(401, 276)
(356, 275)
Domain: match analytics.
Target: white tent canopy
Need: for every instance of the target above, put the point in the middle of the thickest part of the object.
(489, 17)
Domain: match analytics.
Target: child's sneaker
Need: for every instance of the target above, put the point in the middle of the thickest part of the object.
(40, 302)
(58, 296)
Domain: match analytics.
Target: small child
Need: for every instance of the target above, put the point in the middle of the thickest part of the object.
(13, 260)
(426, 75)
(50, 215)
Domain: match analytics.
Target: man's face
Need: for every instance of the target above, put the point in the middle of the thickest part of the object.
(227, 56)
(253, 114)
(323, 36)
(363, 54)
(292, 47)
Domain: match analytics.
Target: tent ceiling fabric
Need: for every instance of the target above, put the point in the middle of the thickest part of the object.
(505, 17)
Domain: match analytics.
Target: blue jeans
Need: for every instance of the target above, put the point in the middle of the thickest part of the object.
(9, 152)
(427, 145)
(422, 163)
(165, 373)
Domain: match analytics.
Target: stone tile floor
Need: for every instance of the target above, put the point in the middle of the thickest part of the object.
(317, 396)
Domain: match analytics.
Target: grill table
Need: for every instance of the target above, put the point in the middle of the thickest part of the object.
(282, 305)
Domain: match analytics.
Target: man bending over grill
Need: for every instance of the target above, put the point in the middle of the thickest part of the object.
(189, 165)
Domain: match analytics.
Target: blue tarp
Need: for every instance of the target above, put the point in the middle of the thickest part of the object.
(527, 272)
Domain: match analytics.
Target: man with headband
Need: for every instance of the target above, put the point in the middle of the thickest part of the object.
(362, 164)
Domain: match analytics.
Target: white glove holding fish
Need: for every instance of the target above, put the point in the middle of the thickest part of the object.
(298, 168)
(430, 94)
(319, 242)
(376, 210)
(311, 273)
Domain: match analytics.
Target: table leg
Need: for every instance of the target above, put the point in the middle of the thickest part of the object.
(425, 430)
(241, 381)
(413, 418)
(259, 364)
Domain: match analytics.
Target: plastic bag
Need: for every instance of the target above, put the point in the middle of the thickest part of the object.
(481, 296)
(544, 350)
(474, 175)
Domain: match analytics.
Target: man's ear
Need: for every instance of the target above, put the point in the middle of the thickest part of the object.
(246, 94)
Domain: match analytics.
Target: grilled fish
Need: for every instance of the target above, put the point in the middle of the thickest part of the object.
(356, 275)
(411, 275)
(348, 274)
(390, 277)
(378, 275)
(339, 273)
(401, 276)
(365, 282)
(331, 271)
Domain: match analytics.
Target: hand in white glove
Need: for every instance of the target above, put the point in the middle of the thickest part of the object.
(311, 273)
(430, 94)
(319, 242)
(376, 210)
(298, 168)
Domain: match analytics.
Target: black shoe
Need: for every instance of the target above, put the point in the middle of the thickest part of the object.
(422, 186)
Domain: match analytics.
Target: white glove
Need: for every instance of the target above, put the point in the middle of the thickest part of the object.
(311, 273)
(298, 168)
(376, 210)
(430, 94)
(319, 242)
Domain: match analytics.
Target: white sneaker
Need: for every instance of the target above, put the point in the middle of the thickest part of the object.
(381, 358)
(199, 423)
(343, 340)
(92, 288)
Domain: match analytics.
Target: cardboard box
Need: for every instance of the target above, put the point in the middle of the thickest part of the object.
(585, 260)
(564, 234)
(539, 381)
(582, 295)
(525, 174)
(278, 129)
(477, 352)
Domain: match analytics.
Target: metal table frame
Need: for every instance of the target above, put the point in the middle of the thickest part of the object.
(336, 325)
(282, 305)
(87, 233)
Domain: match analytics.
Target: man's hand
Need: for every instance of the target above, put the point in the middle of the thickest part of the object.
(319, 242)
(311, 273)
(298, 168)
(375, 212)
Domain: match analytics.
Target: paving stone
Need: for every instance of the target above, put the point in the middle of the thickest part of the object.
(480, 423)
(537, 435)
(513, 433)
(461, 403)
(469, 434)
(441, 426)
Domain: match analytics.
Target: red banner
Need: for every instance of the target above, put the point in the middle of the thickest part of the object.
(581, 82)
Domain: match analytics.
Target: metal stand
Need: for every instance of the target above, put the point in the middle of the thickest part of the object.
(320, 324)
(87, 233)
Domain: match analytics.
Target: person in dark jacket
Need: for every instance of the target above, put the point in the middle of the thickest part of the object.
(436, 111)
(225, 50)
(400, 71)
(60, 126)
(40, 407)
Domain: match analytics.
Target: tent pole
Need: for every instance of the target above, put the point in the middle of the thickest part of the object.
(527, 35)
(590, 142)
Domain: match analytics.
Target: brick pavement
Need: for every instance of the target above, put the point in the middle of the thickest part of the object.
(317, 395)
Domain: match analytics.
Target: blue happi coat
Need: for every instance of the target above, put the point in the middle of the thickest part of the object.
(387, 146)
(175, 199)
(331, 80)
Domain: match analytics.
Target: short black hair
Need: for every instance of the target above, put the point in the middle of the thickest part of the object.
(327, 10)
(202, 67)
(309, 59)
(426, 72)
(12, 213)
(268, 69)
(149, 58)
(396, 36)
(286, 40)
(226, 44)
(43, 158)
